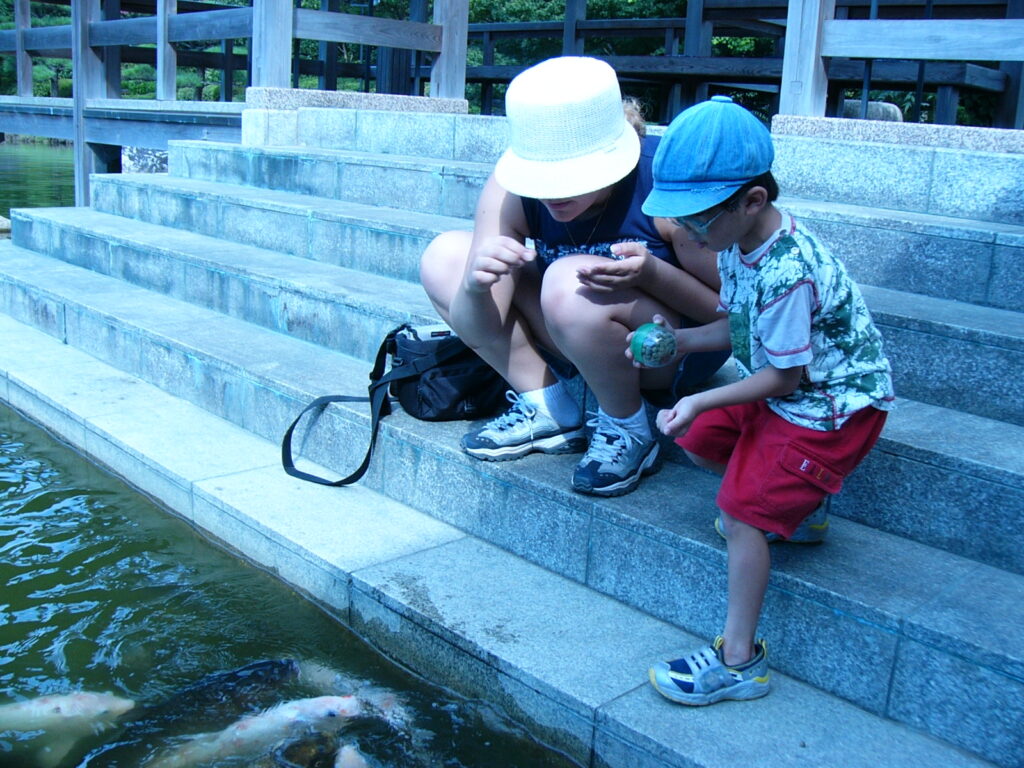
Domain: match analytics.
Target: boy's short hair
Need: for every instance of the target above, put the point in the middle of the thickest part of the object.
(766, 181)
(708, 152)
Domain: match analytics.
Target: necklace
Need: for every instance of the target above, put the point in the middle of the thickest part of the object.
(600, 215)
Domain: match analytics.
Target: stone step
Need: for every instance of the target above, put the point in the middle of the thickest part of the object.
(923, 334)
(410, 182)
(940, 256)
(942, 170)
(449, 606)
(350, 312)
(965, 260)
(929, 643)
(478, 138)
(378, 240)
(335, 307)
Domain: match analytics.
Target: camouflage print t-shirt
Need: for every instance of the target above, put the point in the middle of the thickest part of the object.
(791, 303)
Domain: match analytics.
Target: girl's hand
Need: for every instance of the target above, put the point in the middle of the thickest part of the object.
(630, 271)
(676, 421)
(492, 259)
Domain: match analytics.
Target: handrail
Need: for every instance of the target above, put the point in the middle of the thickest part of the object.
(814, 36)
(933, 39)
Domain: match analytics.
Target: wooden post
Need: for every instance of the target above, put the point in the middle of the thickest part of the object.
(166, 56)
(1010, 112)
(329, 53)
(572, 41)
(273, 26)
(112, 54)
(23, 62)
(88, 83)
(804, 87)
(227, 71)
(696, 42)
(448, 76)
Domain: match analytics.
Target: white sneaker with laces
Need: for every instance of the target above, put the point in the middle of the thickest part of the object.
(520, 430)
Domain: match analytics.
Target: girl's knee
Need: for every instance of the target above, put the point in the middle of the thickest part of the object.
(443, 262)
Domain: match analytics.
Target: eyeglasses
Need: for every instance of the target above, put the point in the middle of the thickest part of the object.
(697, 227)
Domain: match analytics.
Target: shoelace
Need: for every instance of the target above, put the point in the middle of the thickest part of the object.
(520, 411)
(604, 451)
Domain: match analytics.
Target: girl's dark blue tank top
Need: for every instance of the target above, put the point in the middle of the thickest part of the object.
(621, 221)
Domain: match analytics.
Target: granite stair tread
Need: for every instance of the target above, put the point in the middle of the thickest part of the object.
(124, 244)
(513, 623)
(290, 202)
(869, 574)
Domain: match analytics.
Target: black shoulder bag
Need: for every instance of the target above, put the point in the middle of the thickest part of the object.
(435, 377)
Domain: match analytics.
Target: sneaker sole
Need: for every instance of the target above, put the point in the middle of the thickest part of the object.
(627, 485)
(745, 691)
(567, 442)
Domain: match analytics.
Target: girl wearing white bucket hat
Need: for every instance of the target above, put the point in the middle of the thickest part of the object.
(571, 181)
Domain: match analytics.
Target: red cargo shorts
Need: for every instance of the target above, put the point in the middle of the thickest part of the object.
(777, 473)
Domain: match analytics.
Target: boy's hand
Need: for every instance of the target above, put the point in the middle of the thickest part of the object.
(658, 320)
(630, 271)
(676, 421)
(492, 259)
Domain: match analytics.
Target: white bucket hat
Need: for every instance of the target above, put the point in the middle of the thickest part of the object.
(568, 133)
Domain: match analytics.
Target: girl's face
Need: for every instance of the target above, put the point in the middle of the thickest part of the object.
(570, 208)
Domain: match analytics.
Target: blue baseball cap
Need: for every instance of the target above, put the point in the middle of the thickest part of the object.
(708, 152)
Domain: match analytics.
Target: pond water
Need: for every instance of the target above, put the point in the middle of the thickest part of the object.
(108, 594)
(35, 176)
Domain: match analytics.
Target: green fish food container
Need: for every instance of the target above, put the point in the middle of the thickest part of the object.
(653, 345)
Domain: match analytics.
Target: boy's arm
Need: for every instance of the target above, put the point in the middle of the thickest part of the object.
(768, 382)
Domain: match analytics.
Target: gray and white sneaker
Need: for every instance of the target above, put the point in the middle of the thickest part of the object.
(520, 430)
(615, 461)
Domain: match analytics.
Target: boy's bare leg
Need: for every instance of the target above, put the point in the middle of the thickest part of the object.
(749, 567)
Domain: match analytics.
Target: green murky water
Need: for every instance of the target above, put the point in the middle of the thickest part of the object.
(104, 592)
(35, 176)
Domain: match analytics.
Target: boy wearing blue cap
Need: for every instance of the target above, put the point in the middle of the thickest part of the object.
(814, 383)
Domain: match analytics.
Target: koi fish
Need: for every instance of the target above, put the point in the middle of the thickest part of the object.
(62, 720)
(257, 734)
(349, 756)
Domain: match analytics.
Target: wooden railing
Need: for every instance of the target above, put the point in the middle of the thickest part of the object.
(814, 36)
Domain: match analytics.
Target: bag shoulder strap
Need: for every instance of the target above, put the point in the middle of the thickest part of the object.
(380, 405)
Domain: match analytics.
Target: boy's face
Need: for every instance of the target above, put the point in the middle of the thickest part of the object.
(710, 228)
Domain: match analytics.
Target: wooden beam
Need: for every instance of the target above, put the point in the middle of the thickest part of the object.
(41, 39)
(366, 30)
(804, 87)
(166, 56)
(448, 76)
(273, 24)
(939, 39)
(210, 25)
(111, 10)
(23, 61)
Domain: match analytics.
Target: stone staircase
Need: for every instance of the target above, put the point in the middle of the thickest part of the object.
(251, 279)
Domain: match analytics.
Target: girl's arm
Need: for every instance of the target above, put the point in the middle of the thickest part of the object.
(480, 306)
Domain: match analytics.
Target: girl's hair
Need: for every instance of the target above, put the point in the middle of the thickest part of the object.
(635, 115)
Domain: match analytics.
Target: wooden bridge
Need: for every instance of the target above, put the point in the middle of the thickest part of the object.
(824, 46)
